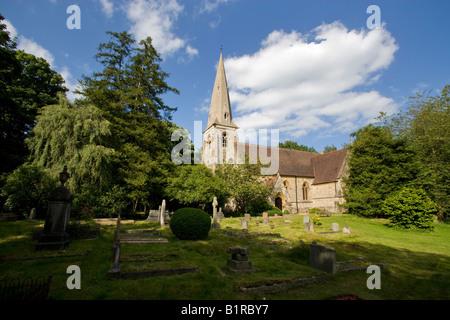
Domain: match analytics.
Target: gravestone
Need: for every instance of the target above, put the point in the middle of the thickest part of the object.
(322, 258)
(335, 227)
(32, 214)
(215, 225)
(244, 224)
(265, 218)
(239, 259)
(346, 230)
(247, 217)
(54, 235)
(153, 215)
(309, 225)
(220, 215)
(162, 214)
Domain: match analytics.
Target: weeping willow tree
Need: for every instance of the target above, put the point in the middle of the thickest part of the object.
(77, 136)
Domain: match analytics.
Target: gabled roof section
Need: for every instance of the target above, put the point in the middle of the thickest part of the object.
(328, 167)
(220, 108)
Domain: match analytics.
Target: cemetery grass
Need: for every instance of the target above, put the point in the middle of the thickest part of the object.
(418, 263)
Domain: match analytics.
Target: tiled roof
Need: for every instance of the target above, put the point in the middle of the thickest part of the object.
(295, 163)
(328, 166)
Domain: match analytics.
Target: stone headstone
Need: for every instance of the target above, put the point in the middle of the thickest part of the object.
(265, 215)
(309, 226)
(220, 215)
(162, 214)
(215, 224)
(322, 258)
(346, 230)
(305, 219)
(244, 224)
(247, 217)
(239, 259)
(54, 235)
(32, 214)
(335, 227)
(153, 215)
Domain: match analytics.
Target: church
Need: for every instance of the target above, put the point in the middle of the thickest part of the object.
(302, 180)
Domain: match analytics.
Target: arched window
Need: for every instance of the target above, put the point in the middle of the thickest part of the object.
(305, 191)
(225, 115)
(224, 140)
(286, 185)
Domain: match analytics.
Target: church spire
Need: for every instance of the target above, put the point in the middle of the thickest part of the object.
(220, 108)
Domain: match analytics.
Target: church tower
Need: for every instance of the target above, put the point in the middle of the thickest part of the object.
(220, 136)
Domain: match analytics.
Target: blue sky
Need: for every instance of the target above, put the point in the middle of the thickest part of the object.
(312, 69)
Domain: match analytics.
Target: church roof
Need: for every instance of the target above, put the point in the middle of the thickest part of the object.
(324, 168)
(220, 108)
(328, 166)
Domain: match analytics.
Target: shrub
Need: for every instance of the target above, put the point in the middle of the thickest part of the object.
(274, 211)
(410, 209)
(316, 219)
(28, 187)
(190, 224)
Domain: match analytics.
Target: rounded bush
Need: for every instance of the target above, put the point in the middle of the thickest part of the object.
(410, 209)
(190, 224)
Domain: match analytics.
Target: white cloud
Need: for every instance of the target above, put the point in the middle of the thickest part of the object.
(28, 45)
(211, 5)
(36, 49)
(156, 18)
(302, 83)
(70, 83)
(10, 28)
(107, 7)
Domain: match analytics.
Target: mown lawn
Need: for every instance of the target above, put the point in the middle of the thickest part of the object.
(418, 263)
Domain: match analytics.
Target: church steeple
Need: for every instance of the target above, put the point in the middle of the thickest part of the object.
(220, 136)
(220, 108)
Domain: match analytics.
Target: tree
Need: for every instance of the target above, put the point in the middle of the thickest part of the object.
(195, 185)
(128, 90)
(329, 148)
(379, 164)
(77, 136)
(27, 83)
(28, 187)
(245, 186)
(425, 126)
(295, 146)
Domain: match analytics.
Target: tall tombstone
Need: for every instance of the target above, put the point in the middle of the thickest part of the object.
(265, 218)
(54, 235)
(215, 225)
(162, 214)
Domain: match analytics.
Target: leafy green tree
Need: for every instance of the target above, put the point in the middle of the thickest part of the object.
(329, 148)
(295, 146)
(245, 186)
(27, 83)
(410, 208)
(196, 185)
(28, 187)
(129, 91)
(77, 136)
(379, 164)
(425, 126)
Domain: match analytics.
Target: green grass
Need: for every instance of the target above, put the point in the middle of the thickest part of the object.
(418, 262)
